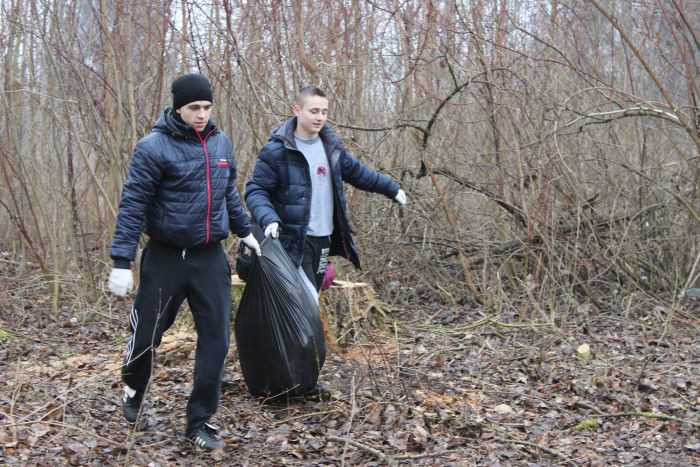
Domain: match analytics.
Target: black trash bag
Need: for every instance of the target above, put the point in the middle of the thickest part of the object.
(245, 258)
(278, 330)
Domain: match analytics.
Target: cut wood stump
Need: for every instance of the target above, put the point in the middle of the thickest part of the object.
(350, 311)
(237, 281)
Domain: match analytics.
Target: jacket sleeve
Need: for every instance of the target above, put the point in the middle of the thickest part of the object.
(259, 190)
(239, 222)
(144, 175)
(361, 176)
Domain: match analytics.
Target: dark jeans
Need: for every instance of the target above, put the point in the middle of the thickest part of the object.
(168, 277)
(315, 259)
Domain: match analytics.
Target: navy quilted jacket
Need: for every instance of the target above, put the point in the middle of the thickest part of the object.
(180, 190)
(280, 190)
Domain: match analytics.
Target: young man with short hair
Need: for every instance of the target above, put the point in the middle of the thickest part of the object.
(297, 189)
(181, 191)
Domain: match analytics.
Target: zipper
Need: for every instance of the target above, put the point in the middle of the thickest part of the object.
(208, 182)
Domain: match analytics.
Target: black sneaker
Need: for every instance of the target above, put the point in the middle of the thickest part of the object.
(131, 404)
(320, 392)
(206, 437)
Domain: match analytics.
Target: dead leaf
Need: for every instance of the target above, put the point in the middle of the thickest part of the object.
(389, 415)
(38, 430)
(420, 433)
(502, 408)
(374, 416)
(398, 439)
(433, 399)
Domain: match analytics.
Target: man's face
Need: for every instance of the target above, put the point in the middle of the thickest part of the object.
(311, 116)
(196, 114)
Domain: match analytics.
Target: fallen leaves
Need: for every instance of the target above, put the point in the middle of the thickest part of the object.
(502, 409)
(427, 395)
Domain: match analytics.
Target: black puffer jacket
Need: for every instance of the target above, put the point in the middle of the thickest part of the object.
(180, 190)
(280, 190)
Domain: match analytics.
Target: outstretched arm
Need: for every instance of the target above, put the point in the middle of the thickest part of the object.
(363, 177)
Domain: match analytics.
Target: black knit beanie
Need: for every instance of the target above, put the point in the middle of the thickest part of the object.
(189, 88)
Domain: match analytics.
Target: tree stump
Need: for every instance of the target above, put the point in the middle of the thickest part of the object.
(349, 311)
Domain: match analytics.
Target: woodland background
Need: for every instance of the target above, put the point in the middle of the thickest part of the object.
(549, 150)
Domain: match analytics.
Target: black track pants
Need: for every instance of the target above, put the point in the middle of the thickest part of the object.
(168, 277)
(315, 259)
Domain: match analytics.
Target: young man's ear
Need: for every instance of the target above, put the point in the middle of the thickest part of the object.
(296, 109)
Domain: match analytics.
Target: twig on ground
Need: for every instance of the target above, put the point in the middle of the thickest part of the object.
(65, 425)
(388, 458)
(592, 422)
(424, 455)
(494, 321)
(474, 325)
(62, 395)
(537, 446)
(659, 416)
(656, 429)
(528, 325)
(588, 406)
(306, 415)
(375, 452)
(353, 409)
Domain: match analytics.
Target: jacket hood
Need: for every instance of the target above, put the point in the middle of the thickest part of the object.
(169, 123)
(285, 134)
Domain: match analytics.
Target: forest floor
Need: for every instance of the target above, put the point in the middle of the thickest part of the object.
(441, 386)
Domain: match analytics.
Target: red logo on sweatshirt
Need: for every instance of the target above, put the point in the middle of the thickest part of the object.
(222, 163)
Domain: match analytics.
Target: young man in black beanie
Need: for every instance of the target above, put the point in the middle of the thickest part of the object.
(181, 191)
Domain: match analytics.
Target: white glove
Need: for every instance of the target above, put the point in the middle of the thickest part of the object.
(252, 243)
(272, 230)
(121, 282)
(400, 197)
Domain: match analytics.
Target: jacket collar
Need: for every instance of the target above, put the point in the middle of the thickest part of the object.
(285, 133)
(169, 123)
